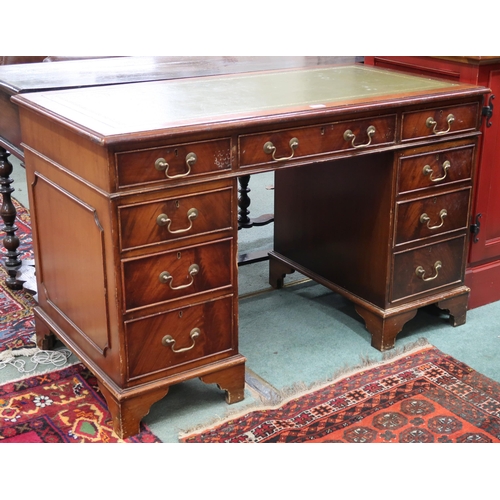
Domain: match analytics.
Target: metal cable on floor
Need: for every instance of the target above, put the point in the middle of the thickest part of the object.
(55, 358)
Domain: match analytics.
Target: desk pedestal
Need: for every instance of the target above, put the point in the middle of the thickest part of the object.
(353, 226)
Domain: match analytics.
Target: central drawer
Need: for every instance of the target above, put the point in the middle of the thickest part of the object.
(176, 274)
(296, 143)
(171, 340)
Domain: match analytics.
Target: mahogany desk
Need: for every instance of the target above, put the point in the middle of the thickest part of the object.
(35, 77)
(138, 183)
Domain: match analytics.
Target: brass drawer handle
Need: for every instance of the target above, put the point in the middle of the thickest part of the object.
(164, 220)
(270, 149)
(420, 271)
(425, 219)
(431, 123)
(165, 277)
(161, 164)
(427, 170)
(168, 340)
(349, 136)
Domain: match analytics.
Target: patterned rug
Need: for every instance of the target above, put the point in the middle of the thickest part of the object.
(17, 325)
(423, 396)
(63, 406)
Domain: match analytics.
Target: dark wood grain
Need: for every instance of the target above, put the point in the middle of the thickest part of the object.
(90, 159)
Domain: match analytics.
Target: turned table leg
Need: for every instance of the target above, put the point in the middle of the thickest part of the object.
(245, 222)
(8, 214)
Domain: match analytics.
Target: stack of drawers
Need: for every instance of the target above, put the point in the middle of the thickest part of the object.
(174, 252)
(179, 293)
(431, 221)
(433, 197)
(162, 300)
(389, 232)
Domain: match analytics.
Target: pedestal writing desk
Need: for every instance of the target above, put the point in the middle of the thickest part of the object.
(137, 183)
(26, 78)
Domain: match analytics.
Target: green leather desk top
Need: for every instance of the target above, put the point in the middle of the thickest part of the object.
(151, 106)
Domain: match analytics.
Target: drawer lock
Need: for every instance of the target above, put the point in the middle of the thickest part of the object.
(168, 340)
(420, 271)
(425, 219)
(165, 277)
(164, 220)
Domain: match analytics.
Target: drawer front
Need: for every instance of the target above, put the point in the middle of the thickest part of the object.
(431, 216)
(171, 340)
(175, 218)
(283, 145)
(439, 122)
(427, 268)
(171, 275)
(435, 169)
(172, 163)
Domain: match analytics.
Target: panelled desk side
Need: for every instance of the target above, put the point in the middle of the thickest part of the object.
(374, 172)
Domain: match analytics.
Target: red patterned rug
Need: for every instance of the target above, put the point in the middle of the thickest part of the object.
(17, 325)
(423, 396)
(63, 406)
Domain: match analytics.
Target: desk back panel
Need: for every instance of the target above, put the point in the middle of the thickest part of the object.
(333, 219)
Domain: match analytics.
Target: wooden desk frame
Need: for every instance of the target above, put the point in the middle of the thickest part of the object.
(356, 225)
